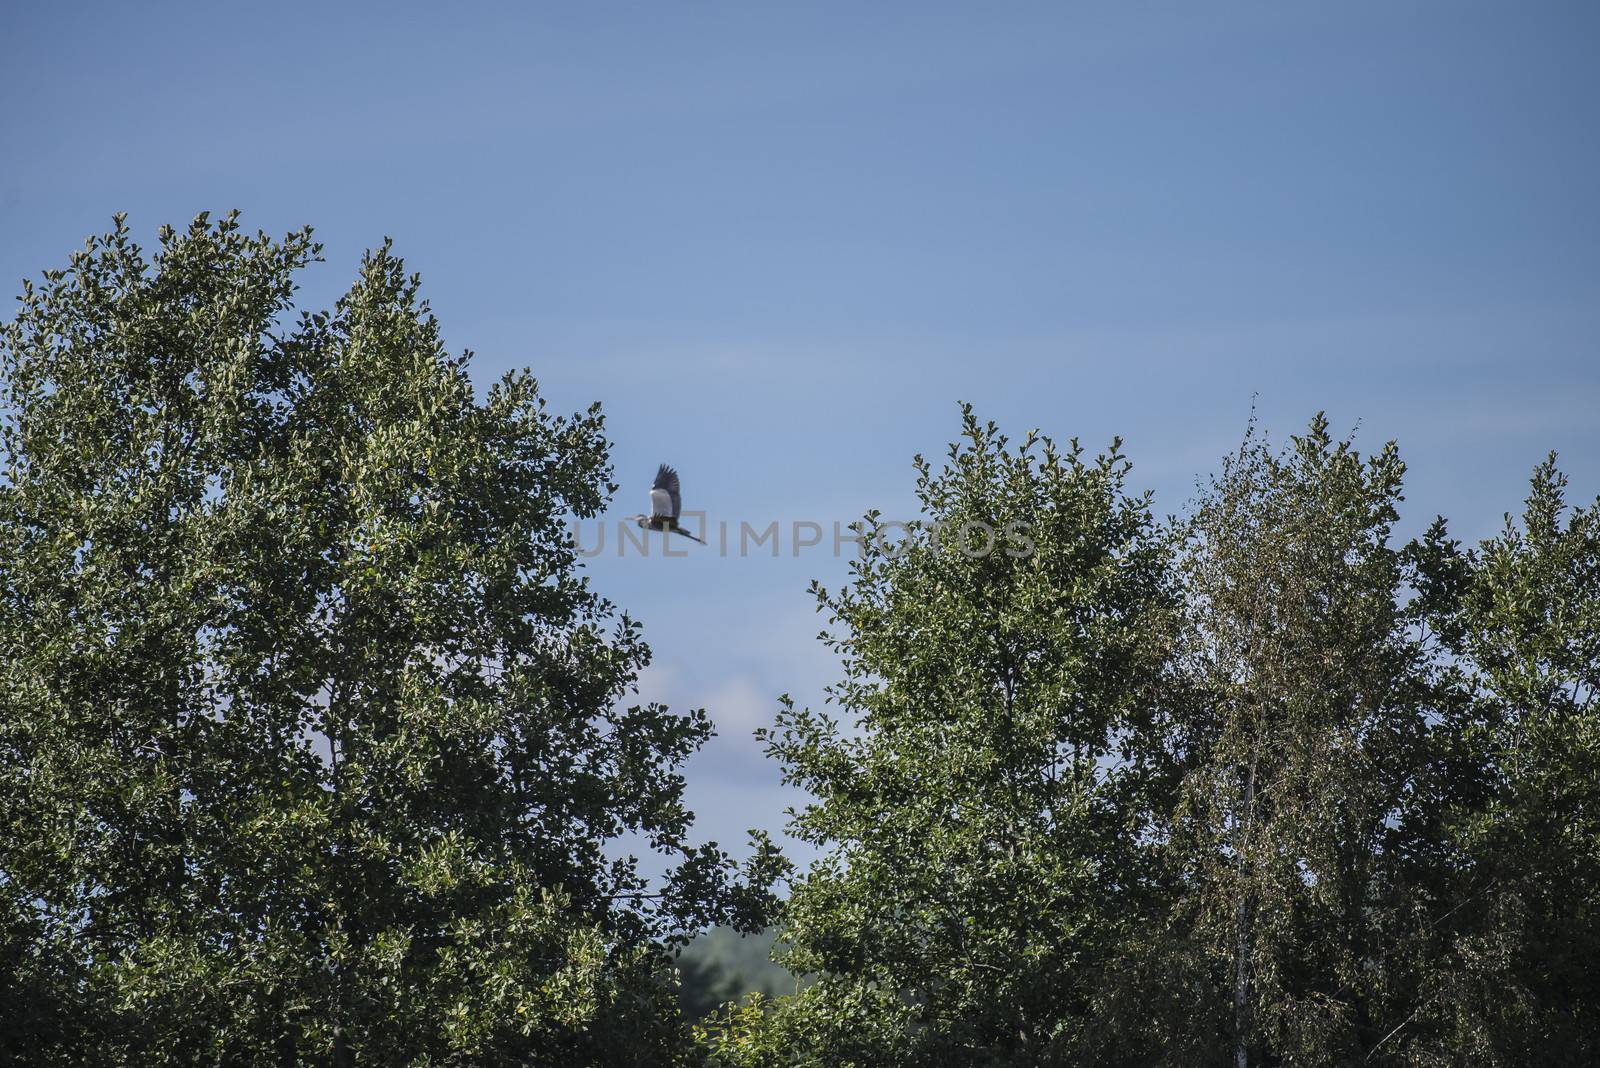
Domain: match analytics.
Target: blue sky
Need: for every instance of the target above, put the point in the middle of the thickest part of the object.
(780, 243)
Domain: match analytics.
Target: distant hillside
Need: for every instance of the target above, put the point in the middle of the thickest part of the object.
(722, 965)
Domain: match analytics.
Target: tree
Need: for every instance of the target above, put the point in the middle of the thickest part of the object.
(980, 815)
(313, 737)
(1291, 794)
(1511, 979)
(1305, 727)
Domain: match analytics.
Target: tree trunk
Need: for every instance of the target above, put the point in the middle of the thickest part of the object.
(1241, 946)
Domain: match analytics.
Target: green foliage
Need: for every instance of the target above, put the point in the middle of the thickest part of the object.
(980, 807)
(315, 745)
(1519, 620)
(1265, 788)
(312, 735)
(1301, 722)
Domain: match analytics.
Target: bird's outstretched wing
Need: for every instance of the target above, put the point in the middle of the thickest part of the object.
(664, 496)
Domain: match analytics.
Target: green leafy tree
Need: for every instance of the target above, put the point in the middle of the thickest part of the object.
(1304, 724)
(1510, 979)
(981, 807)
(313, 738)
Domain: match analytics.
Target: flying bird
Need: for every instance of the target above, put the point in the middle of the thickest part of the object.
(666, 503)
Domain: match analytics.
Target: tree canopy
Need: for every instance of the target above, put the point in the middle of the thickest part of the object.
(317, 746)
(1256, 785)
(313, 738)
